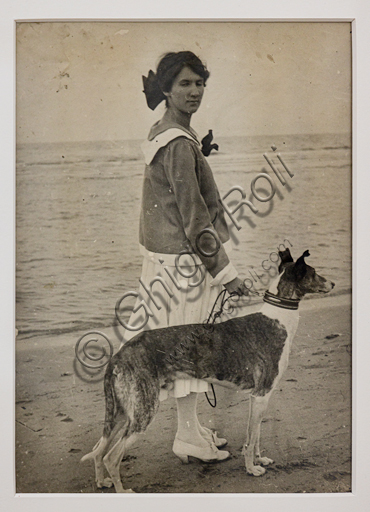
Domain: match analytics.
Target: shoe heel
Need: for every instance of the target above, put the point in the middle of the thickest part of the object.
(184, 458)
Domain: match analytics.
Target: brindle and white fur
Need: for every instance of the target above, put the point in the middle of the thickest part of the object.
(249, 353)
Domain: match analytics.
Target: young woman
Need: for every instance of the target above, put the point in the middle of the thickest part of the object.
(183, 234)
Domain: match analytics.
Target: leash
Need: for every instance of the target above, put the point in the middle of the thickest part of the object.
(214, 397)
(211, 321)
(226, 300)
(213, 316)
(268, 297)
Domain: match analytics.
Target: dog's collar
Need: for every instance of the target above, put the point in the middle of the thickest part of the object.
(280, 302)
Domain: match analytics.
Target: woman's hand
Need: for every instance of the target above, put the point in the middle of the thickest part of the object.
(237, 286)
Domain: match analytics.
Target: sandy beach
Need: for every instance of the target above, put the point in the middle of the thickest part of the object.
(307, 429)
(77, 253)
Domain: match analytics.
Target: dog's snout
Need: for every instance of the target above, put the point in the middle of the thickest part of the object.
(332, 284)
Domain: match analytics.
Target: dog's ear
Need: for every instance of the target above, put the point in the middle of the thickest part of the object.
(300, 266)
(285, 258)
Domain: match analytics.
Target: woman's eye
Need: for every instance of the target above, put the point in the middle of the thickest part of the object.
(187, 84)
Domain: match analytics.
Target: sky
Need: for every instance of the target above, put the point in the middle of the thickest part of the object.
(82, 81)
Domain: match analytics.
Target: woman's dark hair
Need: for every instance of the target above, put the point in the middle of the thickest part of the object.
(172, 63)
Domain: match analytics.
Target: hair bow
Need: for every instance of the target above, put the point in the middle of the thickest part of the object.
(153, 93)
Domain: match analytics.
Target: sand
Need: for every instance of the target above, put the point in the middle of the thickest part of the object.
(307, 429)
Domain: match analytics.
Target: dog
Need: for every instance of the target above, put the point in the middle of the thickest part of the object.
(249, 353)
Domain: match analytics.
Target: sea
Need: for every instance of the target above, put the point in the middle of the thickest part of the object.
(78, 207)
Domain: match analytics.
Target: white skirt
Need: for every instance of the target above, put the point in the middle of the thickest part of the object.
(192, 301)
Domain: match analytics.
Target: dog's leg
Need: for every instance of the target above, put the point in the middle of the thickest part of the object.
(139, 411)
(99, 466)
(265, 461)
(258, 405)
(113, 458)
(99, 450)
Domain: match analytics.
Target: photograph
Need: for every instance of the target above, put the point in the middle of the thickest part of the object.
(183, 269)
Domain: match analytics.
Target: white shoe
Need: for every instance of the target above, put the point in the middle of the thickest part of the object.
(211, 437)
(209, 454)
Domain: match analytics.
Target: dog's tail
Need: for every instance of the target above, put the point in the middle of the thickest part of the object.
(94, 452)
(110, 411)
(110, 403)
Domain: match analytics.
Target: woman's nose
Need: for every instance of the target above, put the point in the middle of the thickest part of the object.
(194, 91)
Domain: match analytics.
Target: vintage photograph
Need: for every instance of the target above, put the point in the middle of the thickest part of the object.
(183, 257)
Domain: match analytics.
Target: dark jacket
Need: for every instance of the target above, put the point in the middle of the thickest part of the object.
(181, 199)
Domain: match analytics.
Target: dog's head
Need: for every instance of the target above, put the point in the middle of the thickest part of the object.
(298, 278)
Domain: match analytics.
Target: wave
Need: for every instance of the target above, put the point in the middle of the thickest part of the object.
(336, 147)
(82, 326)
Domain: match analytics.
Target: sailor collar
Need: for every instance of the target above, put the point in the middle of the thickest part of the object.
(151, 147)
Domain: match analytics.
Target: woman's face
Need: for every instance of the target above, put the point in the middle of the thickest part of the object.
(186, 92)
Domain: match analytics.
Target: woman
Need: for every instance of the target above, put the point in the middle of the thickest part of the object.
(183, 234)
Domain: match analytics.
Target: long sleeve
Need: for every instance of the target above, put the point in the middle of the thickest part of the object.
(180, 166)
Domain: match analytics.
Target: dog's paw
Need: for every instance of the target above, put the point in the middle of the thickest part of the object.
(256, 471)
(265, 461)
(107, 482)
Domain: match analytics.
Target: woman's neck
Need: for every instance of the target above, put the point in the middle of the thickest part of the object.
(176, 116)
